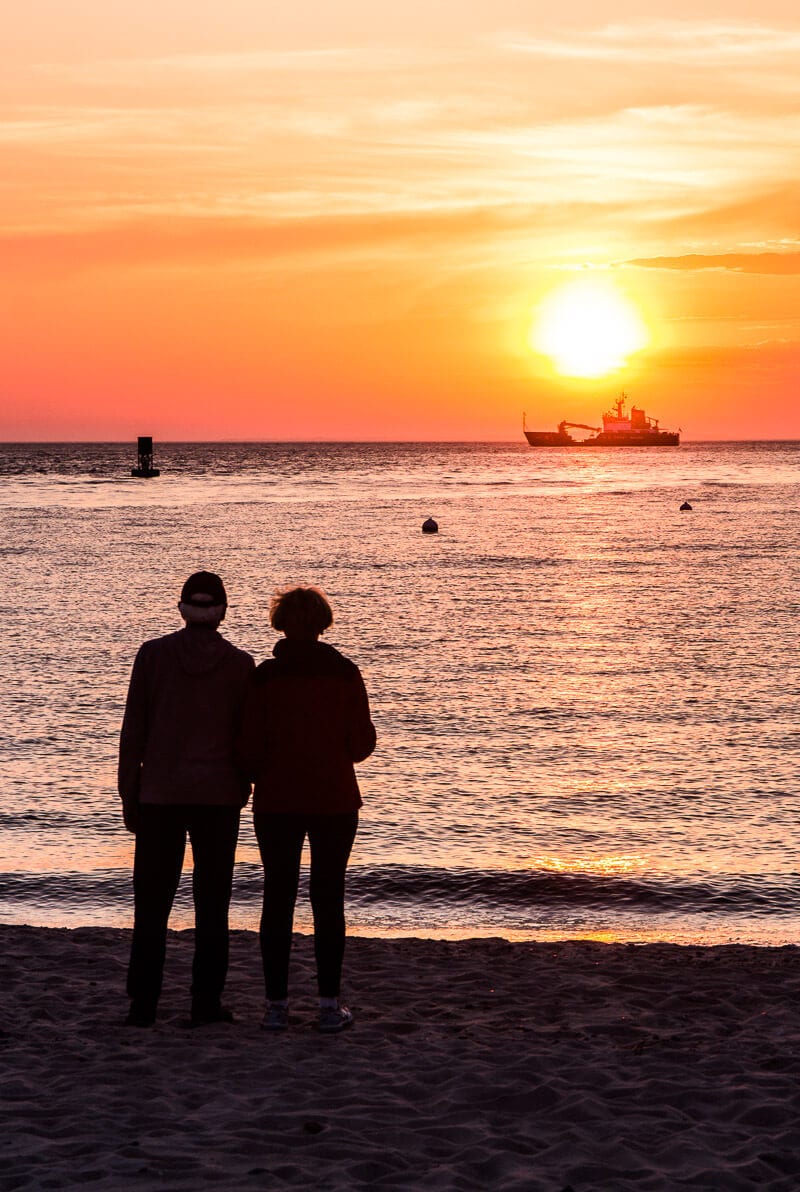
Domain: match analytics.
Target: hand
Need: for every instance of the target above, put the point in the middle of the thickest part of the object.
(130, 814)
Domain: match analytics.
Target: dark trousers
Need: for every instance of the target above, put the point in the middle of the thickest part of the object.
(280, 841)
(158, 860)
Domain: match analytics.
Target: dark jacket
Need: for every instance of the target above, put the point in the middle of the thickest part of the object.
(181, 718)
(306, 721)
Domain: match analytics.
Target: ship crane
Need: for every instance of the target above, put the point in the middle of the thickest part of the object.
(562, 426)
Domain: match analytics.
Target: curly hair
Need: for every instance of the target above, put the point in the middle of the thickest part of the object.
(303, 611)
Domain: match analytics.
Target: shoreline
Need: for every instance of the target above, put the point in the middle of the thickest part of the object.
(476, 1063)
(680, 931)
(623, 935)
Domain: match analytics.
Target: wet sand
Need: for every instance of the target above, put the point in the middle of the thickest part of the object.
(479, 1064)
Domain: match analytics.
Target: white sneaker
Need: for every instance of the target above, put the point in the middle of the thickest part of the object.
(334, 1018)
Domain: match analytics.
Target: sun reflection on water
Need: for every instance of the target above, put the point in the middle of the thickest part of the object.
(607, 865)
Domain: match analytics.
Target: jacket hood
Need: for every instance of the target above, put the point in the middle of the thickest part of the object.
(308, 658)
(199, 650)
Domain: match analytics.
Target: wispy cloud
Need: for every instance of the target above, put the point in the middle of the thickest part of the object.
(242, 65)
(364, 131)
(157, 237)
(771, 263)
(760, 217)
(696, 43)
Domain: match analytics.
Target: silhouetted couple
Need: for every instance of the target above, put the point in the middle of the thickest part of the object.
(201, 724)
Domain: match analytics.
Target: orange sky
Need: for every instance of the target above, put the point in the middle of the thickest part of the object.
(335, 220)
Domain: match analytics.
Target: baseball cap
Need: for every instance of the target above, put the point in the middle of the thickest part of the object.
(204, 584)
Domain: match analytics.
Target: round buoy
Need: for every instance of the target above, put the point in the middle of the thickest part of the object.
(685, 506)
(430, 526)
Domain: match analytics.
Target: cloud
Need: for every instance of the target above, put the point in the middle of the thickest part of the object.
(169, 240)
(288, 139)
(744, 360)
(774, 263)
(241, 66)
(767, 218)
(689, 43)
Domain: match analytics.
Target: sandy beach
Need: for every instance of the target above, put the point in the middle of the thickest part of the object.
(476, 1064)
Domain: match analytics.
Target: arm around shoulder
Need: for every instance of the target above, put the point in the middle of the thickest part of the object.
(250, 742)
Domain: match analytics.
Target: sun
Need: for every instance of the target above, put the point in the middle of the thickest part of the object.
(587, 328)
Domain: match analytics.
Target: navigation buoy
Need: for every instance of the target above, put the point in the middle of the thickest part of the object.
(430, 526)
(685, 506)
(144, 470)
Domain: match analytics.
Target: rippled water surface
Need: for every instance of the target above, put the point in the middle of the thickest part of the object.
(587, 700)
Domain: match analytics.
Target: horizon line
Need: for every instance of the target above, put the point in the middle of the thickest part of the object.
(338, 442)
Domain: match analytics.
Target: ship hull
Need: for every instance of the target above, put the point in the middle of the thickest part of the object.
(632, 439)
(549, 438)
(545, 438)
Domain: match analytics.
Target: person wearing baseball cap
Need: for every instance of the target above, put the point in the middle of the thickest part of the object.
(177, 777)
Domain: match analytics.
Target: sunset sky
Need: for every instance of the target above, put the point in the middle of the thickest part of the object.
(339, 220)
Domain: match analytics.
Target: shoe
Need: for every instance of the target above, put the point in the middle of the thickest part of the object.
(334, 1018)
(141, 1014)
(276, 1017)
(204, 1014)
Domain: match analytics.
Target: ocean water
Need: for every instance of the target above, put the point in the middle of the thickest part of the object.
(587, 701)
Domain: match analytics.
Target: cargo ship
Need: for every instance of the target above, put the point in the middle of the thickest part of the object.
(618, 430)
